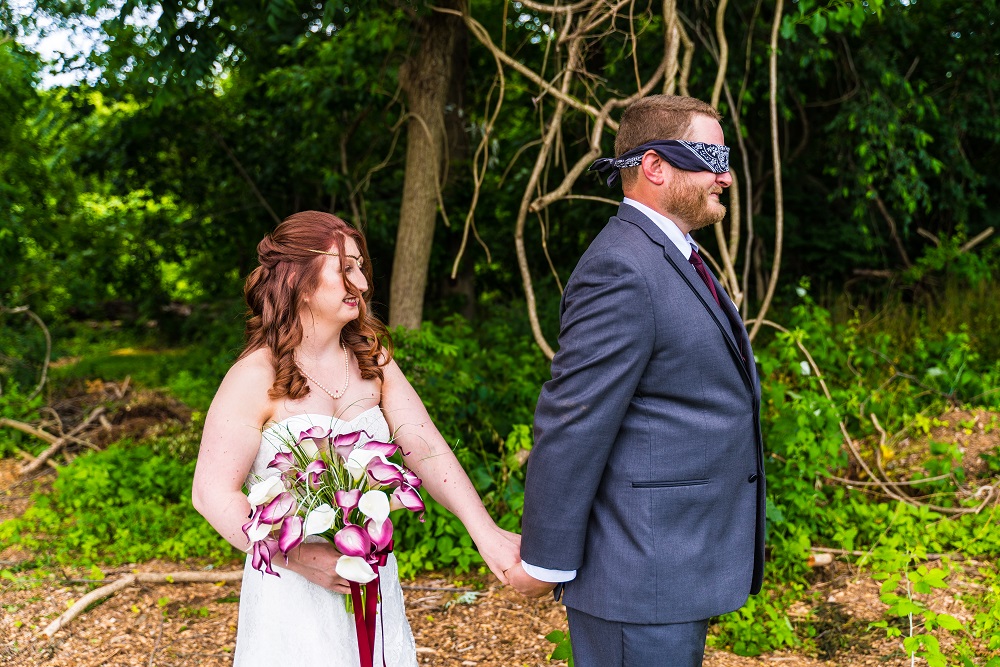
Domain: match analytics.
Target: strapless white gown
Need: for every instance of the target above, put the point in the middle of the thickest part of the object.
(289, 621)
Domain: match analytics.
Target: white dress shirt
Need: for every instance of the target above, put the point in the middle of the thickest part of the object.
(684, 243)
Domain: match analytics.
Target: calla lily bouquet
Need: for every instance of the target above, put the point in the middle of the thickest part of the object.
(338, 487)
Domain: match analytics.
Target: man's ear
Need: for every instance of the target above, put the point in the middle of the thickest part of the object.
(654, 168)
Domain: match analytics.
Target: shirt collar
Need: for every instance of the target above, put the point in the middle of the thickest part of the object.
(683, 241)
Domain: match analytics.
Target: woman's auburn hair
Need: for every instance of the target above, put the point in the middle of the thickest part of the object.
(275, 291)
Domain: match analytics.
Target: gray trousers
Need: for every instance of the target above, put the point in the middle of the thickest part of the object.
(600, 643)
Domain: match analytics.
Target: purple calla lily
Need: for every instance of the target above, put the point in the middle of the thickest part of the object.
(344, 444)
(407, 496)
(381, 535)
(386, 449)
(276, 510)
(254, 529)
(411, 479)
(386, 474)
(312, 472)
(315, 433)
(254, 515)
(282, 461)
(347, 500)
(263, 552)
(290, 535)
(312, 440)
(353, 541)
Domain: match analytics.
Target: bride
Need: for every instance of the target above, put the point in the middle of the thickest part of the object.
(316, 355)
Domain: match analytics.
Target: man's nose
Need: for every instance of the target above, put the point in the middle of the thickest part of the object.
(725, 179)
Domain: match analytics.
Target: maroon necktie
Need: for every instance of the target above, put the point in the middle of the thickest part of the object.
(699, 266)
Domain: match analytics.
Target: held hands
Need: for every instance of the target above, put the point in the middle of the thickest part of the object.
(501, 550)
(317, 562)
(527, 585)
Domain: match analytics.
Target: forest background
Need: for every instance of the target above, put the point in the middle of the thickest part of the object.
(859, 248)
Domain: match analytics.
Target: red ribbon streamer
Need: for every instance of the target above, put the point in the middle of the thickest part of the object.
(364, 613)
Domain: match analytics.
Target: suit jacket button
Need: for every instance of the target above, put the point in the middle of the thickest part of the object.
(752, 478)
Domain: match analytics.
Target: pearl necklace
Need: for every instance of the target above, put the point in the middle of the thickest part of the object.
(347, 375)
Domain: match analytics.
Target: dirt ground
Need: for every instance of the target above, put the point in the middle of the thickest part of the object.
(188, 624)
(479, 624)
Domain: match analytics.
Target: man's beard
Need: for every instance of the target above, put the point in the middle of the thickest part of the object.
(691, 204)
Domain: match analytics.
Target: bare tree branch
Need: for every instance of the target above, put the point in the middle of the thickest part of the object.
(245, 176)
(976, 240)
(720, 34)
(779, 213)
(43, 376)
(891, 222)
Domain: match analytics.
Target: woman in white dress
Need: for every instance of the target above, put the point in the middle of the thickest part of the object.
(314, 355)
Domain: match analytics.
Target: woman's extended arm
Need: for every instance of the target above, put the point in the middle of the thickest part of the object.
(229, 446)
(428, 455)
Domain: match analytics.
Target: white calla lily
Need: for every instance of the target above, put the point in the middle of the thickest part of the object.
(309, 448)
(259, 532)
(375, 505)
(320, 520)
(355, 568)
(265, 490)
(358, 460)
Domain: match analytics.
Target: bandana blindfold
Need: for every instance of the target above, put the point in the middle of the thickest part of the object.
(686, 155)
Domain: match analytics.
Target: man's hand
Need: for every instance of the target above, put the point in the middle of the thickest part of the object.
(527, 585)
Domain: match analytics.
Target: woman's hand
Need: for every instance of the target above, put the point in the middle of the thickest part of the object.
(317, 562)
(527, 585)
(500, 549)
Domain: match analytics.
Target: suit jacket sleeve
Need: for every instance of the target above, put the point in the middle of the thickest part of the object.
(605, 342)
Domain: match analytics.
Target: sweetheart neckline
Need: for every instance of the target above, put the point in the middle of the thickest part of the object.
(275, 424)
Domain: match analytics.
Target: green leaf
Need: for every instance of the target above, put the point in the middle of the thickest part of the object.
(949, 622)
(95, 573)
(818, 24)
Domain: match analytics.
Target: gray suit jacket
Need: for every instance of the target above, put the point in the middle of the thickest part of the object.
(646, 474)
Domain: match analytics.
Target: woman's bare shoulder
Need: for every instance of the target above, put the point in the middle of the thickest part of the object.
(245, 387)
(255, 365)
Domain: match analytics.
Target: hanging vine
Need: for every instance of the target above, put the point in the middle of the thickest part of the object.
(573, 33)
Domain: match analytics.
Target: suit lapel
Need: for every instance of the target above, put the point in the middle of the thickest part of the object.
(683, 267)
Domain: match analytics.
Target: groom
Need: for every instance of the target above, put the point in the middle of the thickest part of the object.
(644, 501)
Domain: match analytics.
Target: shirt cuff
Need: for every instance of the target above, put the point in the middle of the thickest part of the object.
(551, 576)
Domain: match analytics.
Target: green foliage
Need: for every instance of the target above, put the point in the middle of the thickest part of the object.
(920, 627)
(867, 371)
(124, 504)
(15, 405)
(563, 649)
(762, 624)
(455, 370)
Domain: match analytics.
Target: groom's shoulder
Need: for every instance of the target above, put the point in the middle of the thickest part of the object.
(619, 236)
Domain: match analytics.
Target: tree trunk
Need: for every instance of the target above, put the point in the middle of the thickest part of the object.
(424, 77)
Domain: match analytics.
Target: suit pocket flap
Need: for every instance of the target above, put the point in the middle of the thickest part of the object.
(668, 483)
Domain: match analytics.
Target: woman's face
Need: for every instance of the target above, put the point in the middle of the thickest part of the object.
(331, 300)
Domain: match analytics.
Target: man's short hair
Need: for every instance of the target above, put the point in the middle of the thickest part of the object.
(657, 117)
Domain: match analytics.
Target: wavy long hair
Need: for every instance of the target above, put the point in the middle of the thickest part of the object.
(275, 291)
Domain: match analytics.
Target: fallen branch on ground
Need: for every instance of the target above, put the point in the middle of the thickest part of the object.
(59, 443)
(29, 429)
(128, 580)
